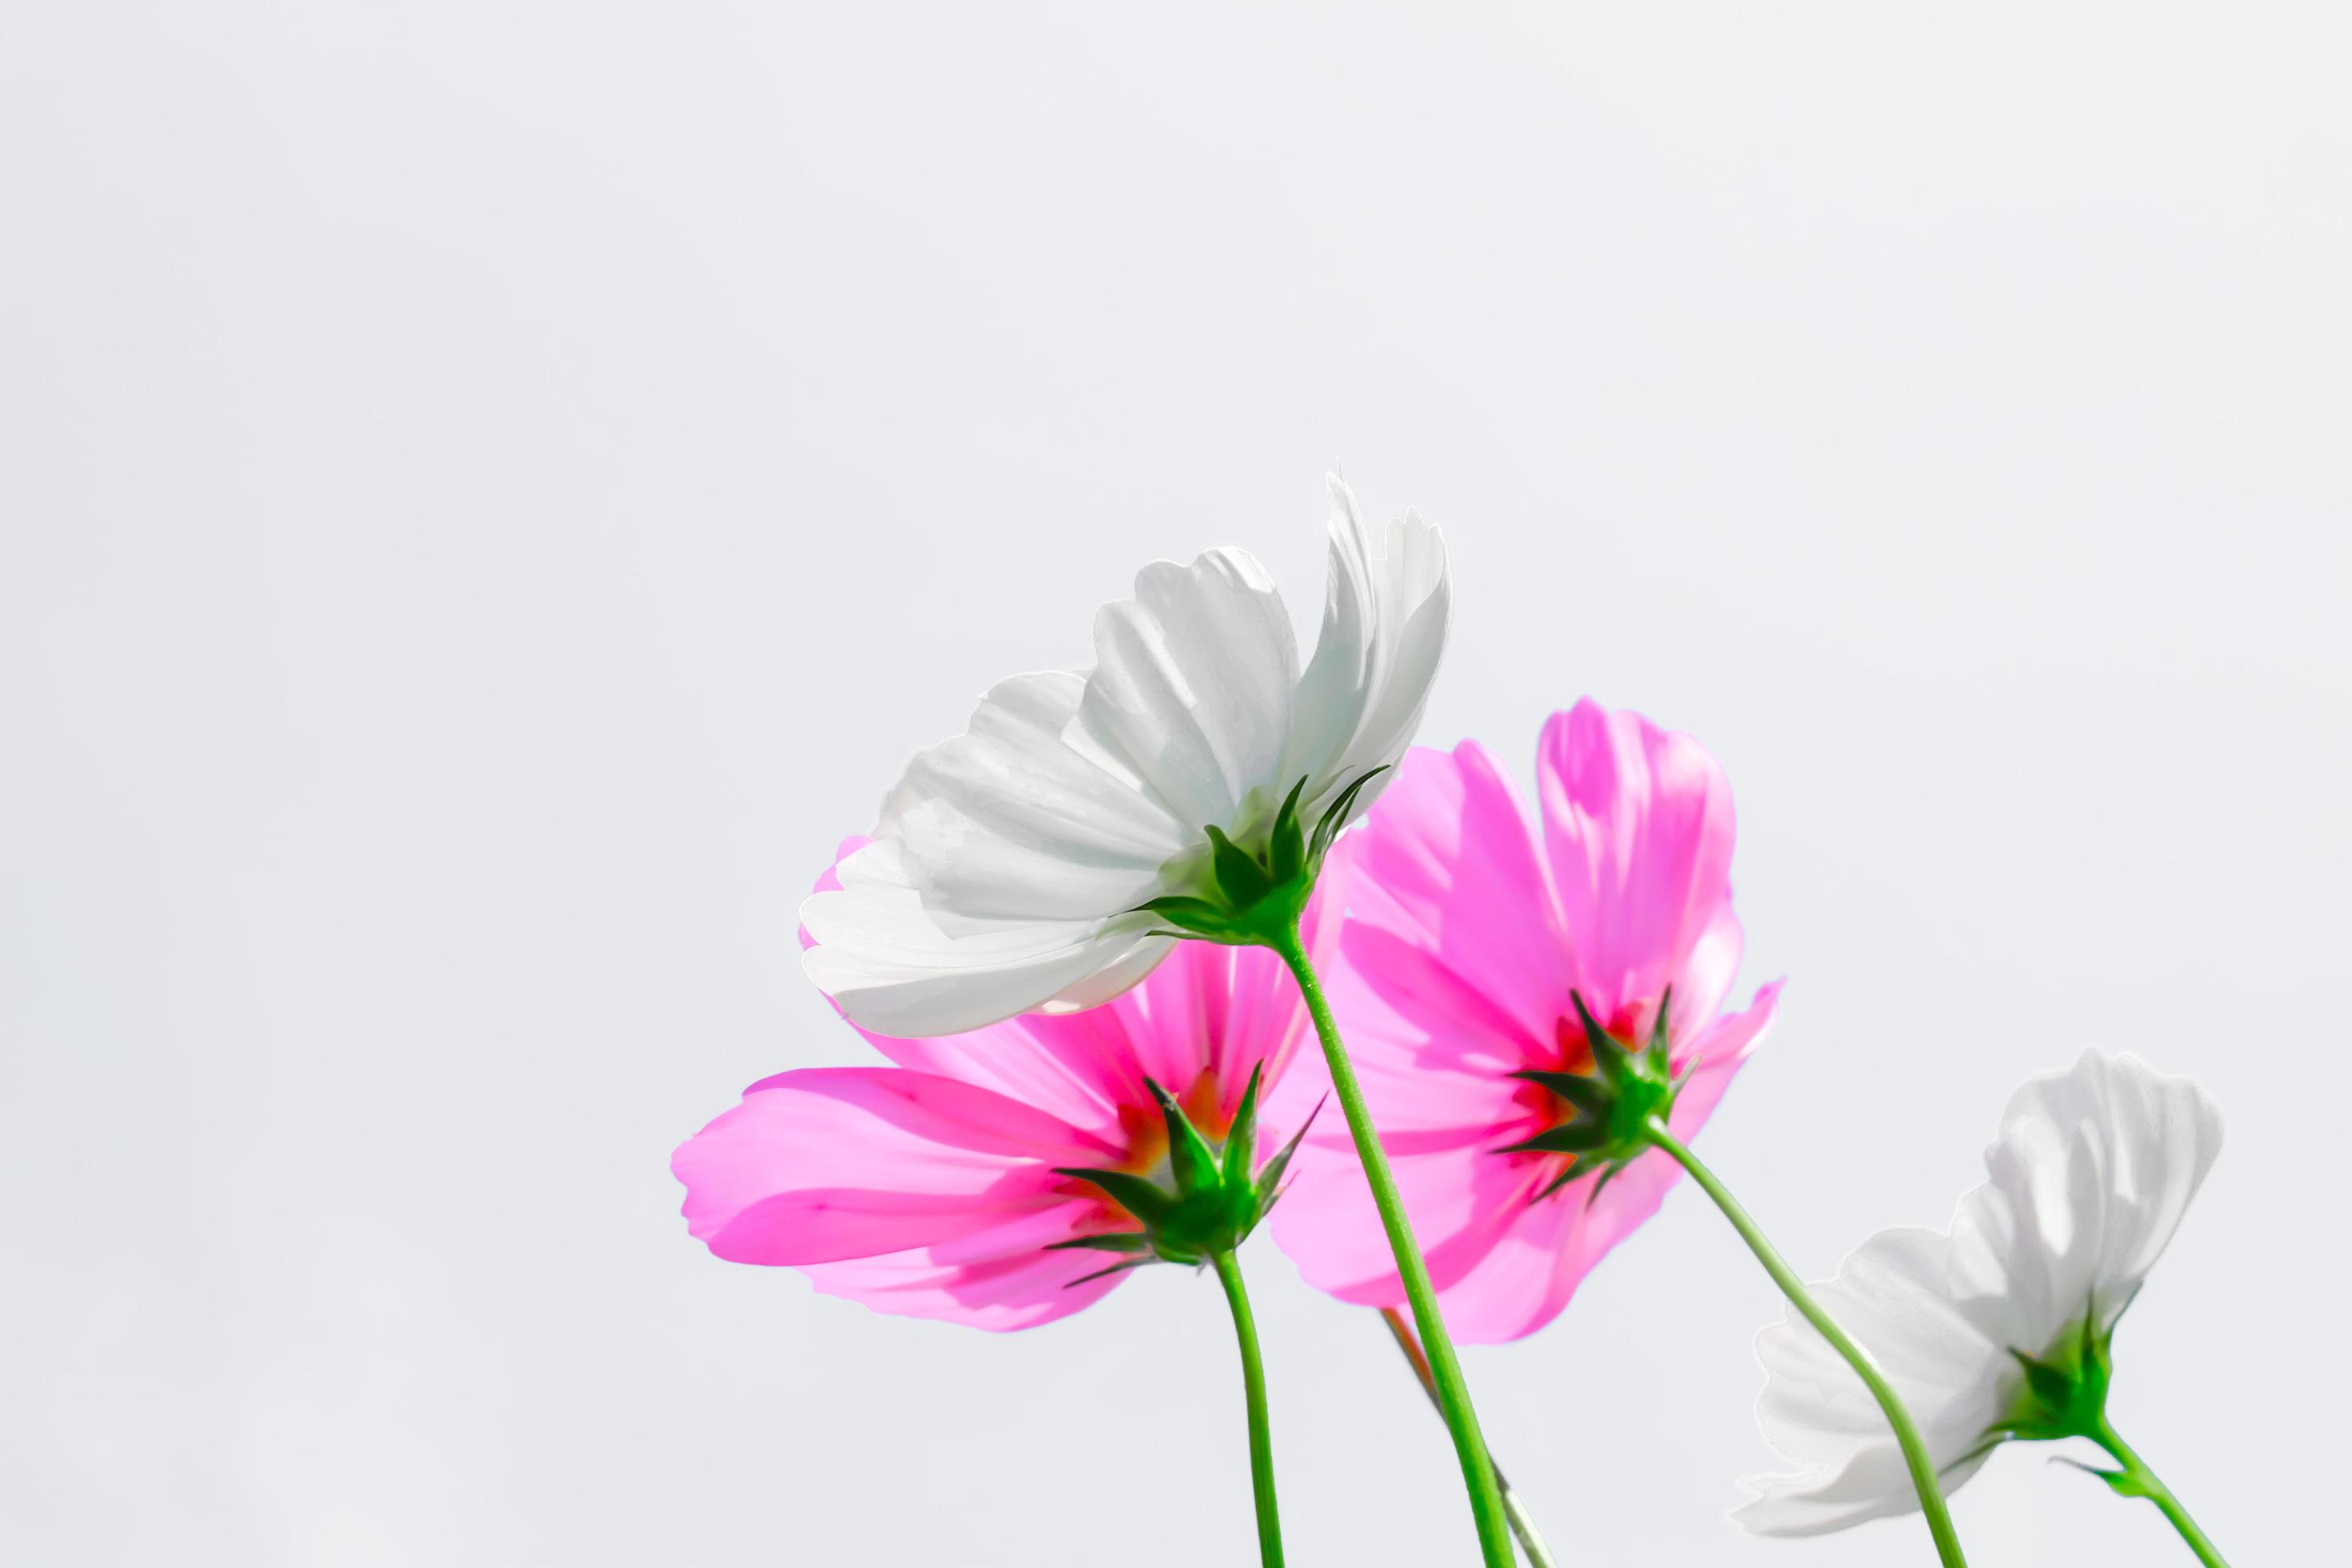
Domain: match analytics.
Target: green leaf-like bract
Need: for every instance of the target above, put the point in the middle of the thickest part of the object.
(2065, 1391)
(1614, 1104)
(1220, 1194)
(1254, 892)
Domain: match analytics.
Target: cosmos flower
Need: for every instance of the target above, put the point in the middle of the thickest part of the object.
(1010, 1176)
(1997, 1329)
(1011, 863)
(1477, 945)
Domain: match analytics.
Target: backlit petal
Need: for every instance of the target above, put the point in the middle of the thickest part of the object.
(1889, 1294)
(833, 1162)
(1638, 823)
(1449, 866)
(1193, 684)
(893, 968)
(1384, 624)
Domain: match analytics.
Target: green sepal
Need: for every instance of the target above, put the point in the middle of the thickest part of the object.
(1609, 1057)
(2065, 1391)
(1583, 1167)
(1106, 1273)
(1591, 1098)
(1286, 846)
(2121, 1482)
(1219, 1198)
(1579, 1137)
(1189, 1158)
(1334, 815)
(1660, 1063)
(2052, 1386)
(1269, 1181)
(1616, 1104)
(1239, 878)
(1241, 1139)
(1109, 1241)
(1130, 1192)
(1196, 916)
(1252, 892)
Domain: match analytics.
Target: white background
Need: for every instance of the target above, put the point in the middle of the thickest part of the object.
(492, 492)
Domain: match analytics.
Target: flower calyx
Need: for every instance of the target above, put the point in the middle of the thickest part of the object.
(2065, 1390)
(1254, 895)
(1616, 1103)
(1214, 1197)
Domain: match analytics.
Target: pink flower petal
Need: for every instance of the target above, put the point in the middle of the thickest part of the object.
(1452, 869)
(1458, 957)
(927, 1188)
(833, 1162)
(1638, 824)
(1018, 1290)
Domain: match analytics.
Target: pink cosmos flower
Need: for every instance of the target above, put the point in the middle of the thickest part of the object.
(931, 1187)
(1467, 939)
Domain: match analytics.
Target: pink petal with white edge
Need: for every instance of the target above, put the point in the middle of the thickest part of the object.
(1638, 824)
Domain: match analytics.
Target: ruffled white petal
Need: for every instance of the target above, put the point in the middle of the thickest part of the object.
(1008, 821)
(2157, 1138)
(1193, 683)
(1010, 861)
(882, 956)
(1873, 1483)
(2090, 1175)
(1384, 624)
(1889, 1295)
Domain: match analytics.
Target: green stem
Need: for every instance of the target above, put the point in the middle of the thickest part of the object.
(2141, 1481)
(1261, 1436)
(1906, 1432)
(1523, 1524)
(1445, 1371)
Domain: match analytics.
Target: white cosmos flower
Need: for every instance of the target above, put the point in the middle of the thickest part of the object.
(1009, 862)
(2091, 1173)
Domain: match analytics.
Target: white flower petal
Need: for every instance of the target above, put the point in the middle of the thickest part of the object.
(1385, 626)
(1194, 682)
(2043, 1213)
(1011, 862)
(2089, 1178)
(2157, 1137)
(1872, 1484)
(1119, 976)
(880, 955)
(1007, 821)
(1889, 1295)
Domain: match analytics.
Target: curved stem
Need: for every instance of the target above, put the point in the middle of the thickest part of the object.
(1446, 1370)
(1523, 1524)
(1906, 1432)
(1261, 1436)
(2138, 1480)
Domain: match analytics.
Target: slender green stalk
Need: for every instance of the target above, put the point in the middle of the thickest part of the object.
(1446, 1370)
(1261, 1436)
(2141, 1481)
(1906, 1432)
(1523, 1524)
